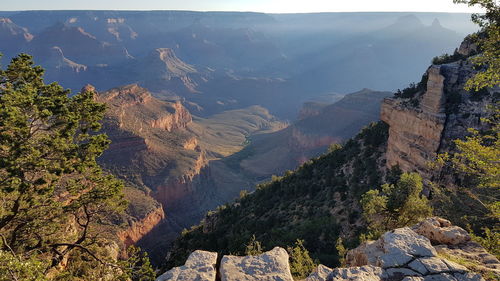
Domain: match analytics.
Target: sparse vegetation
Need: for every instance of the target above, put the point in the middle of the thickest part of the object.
(298, 205)
(341, 251)
(253, 247)
(413, 91)
(446, 58)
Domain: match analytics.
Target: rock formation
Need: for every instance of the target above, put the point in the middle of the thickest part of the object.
(402, 254)
(272, 265)
(425, 125)
(58, 61)
(415, 133)
(408, 252)
(138, 229)
(163, 70)
(200, 266)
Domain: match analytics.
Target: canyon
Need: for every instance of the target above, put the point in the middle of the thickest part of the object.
(320, 201)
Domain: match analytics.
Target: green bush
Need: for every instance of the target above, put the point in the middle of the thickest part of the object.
(395, 205)
(301, 264)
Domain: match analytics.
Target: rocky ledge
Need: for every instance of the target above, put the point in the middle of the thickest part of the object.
(432, 250)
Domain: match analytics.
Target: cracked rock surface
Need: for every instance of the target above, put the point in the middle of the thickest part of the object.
(433, 250)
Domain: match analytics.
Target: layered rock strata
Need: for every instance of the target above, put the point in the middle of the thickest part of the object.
(140, 228)
(415, 132)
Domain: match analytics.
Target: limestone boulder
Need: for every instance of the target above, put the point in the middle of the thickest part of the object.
(405, 241)
(441, 231)
(200, 266)
(269, 266)
(394, 249)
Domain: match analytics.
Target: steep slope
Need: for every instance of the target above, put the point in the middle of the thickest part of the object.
(77, 44)
(159, 147)
(320, 200)
(317, 202)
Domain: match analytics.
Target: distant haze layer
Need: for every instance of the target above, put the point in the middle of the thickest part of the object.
(267, 6)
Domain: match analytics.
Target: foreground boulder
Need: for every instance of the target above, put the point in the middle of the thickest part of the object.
(200, 266)
(269, 266)
(433, 250)
(427, 251)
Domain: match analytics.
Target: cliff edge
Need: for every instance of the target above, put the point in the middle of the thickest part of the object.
(433, 249)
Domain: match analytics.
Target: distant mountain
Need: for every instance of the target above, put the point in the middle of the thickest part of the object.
(13, 37)
(109, 28)
(375, 57)
(77, 45)
(241, 59)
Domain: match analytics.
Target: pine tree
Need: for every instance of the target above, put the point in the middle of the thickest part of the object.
(57, 205)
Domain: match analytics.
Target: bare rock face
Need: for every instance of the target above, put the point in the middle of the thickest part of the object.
(170, 122)
(162, 69)
(393, 249)
(415, 133)
(140, 228)
(272, 265)
(135, 109)
(200, 266)
(57, 60)
(467, 47)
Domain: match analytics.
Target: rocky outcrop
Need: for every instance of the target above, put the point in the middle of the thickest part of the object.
(191, 144)
(429, 122)
(415, 132)
(402, 254)
(200, 266)
(140, 228)
(179, 119)
(134, 109)
(269, 266)
(57, 60)
(272, 265)
(162, 69)
(408, 253)
(468, 47)
(441, 231)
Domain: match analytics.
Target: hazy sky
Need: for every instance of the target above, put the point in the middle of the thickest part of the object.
(269, 6)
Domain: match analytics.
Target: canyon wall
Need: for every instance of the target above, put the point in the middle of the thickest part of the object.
(141, 227)
(415, 132)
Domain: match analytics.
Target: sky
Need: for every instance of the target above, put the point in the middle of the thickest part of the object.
(267, 6)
